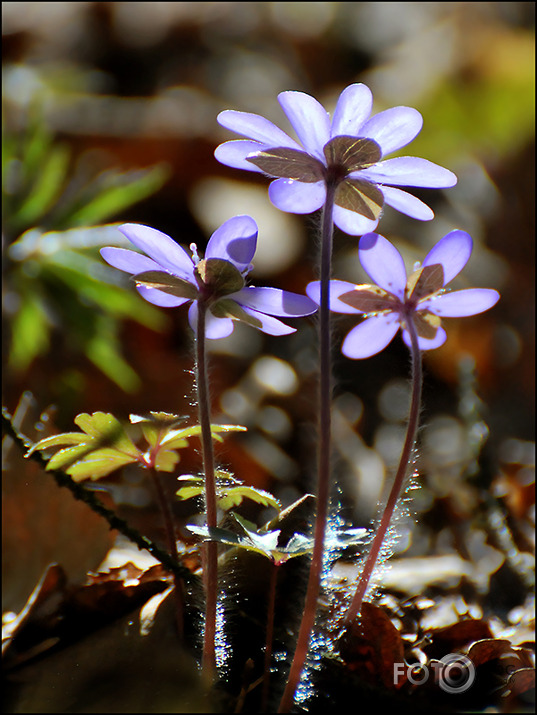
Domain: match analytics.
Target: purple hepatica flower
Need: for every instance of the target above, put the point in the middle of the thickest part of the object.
(167, 276)
(347, 150)
(396, 300)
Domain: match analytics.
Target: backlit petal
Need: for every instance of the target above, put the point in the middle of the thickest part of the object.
(235, 241)
(129, 261)
(383, 263)
(452, 252)
(255, 127)
(461, 303)
(353, 223)
(234, 154)
(270, 325)
(370, 336)
(337, 288)
(215, 328)
(297, 197)
(406, 203)
(410, 171)
(160, 247)
(393, 128)
(157, 297)
(273, 301)
(352, 110)
(309, 119)
(424, 344)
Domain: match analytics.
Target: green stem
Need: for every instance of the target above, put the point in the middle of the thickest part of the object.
(406, 454)
(210, 547)
(172, 546)
(323, 484)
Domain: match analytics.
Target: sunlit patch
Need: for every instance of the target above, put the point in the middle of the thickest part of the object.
(425, 281)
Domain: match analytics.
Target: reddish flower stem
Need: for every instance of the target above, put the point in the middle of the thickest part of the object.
(323, 484)
(210, 569)
(406, 454)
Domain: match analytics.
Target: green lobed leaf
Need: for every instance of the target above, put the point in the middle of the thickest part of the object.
(98, 463)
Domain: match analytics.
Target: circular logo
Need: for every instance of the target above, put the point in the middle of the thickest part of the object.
(457, 674)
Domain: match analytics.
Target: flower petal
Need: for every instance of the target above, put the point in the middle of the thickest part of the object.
(461, 303)
(452, 252)
(425, 344)
(393, 128)
(235, 241)
(270, 325)
(370, 336)
(255, 127)
(406, 203)
(337, 288)
(273, 301)
(383, 263)
(296, 197)
(353, 223)
(352, 110)
(215, 328)
(234, 154)
(157, 297)
(160, 247)
(410, 171)
(309, 119)
(129, 261)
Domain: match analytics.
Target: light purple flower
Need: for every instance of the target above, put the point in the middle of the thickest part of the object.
(347, 149)
(169, 277)
(395, 299)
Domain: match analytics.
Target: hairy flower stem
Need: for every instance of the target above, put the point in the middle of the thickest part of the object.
(210, 548)
(269, 634)
(172, 546)
(323, 484)
(406, 455)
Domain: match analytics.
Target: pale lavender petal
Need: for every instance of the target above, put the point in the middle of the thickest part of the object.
(273, 301)
(161, 248)
(297, 197)
(424, 344)
(393, 128)
(337, 288)
(215, 328)
(256, 127)
(370, 336)
(158, 297)
(352, 110)
(410, 171)
(234, 154)
(353, 223)
(461, 303)
(235, 241)
(309, 119)
(406, 203)
(452, 252)
(269, 325)
(129, 261)
(383, 263)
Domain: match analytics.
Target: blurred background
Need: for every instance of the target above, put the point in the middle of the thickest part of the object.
(109, 116)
